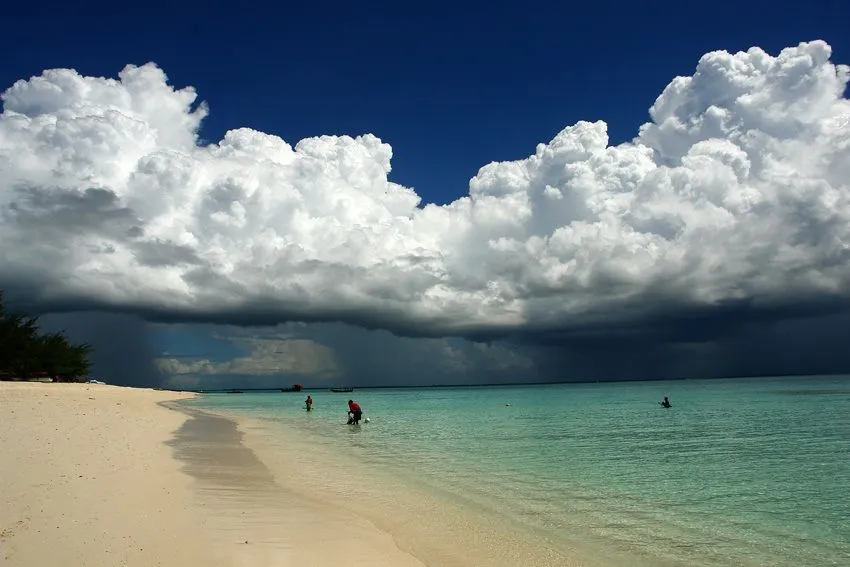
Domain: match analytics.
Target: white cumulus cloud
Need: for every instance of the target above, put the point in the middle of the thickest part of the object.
(737, 190)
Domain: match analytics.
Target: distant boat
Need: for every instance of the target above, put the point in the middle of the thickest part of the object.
(342, 389)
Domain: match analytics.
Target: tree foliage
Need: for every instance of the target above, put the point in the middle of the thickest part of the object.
(26, 352)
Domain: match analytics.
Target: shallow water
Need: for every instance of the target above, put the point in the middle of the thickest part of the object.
(743, 472)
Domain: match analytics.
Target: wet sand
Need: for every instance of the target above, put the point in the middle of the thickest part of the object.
(260, 522)
(322, 481)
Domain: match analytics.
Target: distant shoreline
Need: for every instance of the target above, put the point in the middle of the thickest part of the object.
(511, 384)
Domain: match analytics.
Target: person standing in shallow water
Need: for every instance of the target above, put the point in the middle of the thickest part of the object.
(665, 403)
(354, 412)
(308, 403)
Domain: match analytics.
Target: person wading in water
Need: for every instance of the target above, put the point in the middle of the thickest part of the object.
(354, 412)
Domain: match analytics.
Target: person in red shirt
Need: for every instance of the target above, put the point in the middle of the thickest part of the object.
(354, 412)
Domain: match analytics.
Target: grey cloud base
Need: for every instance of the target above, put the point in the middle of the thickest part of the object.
(325, 355)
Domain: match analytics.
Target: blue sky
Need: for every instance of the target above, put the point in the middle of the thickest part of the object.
(452, 86)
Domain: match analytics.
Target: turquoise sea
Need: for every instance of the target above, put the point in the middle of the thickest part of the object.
(737, 472)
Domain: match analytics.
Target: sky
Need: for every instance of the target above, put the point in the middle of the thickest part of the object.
(217, 195)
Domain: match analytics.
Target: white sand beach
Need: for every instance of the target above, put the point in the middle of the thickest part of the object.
(90, 478)
(88, 481)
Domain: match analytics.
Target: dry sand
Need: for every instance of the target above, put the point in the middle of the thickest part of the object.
(89, 478)
(88, 481)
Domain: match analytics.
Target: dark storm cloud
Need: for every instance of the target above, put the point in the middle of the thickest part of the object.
(123, 353)
(733, 345)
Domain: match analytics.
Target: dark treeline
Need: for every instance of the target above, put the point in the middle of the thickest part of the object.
(26, 353)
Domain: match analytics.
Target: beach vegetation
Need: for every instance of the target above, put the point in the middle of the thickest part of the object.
(27, 353)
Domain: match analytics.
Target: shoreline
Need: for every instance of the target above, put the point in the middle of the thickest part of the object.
(261, 522)
(101, 475)
(435, 528)
(128, 476)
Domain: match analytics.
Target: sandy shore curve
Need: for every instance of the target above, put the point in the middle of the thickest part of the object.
(93, 475)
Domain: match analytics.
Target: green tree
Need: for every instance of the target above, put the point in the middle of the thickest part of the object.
(58, 357)
(23, 350)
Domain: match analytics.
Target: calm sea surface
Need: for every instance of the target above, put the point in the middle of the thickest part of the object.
(737, 472)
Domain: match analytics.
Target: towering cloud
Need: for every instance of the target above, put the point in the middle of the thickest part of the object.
(736, 193)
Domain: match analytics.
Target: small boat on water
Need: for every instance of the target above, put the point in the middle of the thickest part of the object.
(342, 389)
